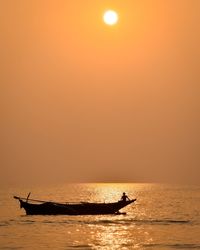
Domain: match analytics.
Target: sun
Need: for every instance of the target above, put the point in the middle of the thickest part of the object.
(110, 17)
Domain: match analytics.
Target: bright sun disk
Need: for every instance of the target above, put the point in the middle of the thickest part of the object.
(110, 17)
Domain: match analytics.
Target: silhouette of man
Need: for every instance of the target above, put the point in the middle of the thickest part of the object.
(125, 197)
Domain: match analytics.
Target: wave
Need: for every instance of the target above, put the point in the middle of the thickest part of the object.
(163, 222)
(4, 224)
(120, 222)
(175, 246)
(136, 222)
(80, 247)
(127, 222)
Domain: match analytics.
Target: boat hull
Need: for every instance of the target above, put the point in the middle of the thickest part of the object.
(50, 208)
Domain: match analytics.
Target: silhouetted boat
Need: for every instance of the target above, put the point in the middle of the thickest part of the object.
(82, 208)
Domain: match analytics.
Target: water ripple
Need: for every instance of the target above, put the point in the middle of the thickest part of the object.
(80, 247)
(101, 222)
(175, 246)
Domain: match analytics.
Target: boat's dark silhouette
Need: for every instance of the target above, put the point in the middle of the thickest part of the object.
(38, 207)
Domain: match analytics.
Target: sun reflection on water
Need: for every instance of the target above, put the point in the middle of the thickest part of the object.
(120, 237)
(119, 232)
(110, 192)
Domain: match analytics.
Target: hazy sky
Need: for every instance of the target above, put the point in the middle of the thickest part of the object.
(82, 101)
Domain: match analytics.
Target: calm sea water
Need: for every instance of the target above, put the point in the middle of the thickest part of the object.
(163, 217)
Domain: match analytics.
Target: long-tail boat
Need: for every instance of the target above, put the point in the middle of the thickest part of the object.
(38, 207)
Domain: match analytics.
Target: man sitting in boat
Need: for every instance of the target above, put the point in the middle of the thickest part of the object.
(124, 197)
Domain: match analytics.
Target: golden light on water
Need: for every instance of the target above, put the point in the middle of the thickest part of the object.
(110, 17)
(112, 192)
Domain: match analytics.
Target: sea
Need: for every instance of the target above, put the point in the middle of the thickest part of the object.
(163, 217)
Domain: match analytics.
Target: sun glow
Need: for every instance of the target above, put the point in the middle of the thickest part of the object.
(110, 17)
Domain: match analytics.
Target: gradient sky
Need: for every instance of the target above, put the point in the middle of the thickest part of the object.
(82, 101)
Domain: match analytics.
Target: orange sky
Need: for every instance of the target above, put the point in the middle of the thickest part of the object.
(82, 101)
